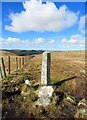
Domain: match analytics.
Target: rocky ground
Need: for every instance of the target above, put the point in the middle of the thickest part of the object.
(67, 80)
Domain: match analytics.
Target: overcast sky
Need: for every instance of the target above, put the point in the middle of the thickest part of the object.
(49, 26)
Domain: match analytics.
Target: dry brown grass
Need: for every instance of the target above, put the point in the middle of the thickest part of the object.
(63, 65)
(6, 53)
(66, 65)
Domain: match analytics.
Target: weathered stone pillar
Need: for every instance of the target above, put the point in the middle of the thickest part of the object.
(45, 73)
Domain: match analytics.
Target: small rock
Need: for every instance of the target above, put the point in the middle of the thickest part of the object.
(27, 82)
(71, 100)
(82, 109)
(24, 98)
(82, 103)
(16, 89)
(24, 88)
(5, 112)
(81, 113)
(36, 85)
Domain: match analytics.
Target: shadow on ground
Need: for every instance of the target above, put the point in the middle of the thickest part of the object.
(59, 83)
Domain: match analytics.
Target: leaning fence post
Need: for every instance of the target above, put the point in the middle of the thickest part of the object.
(1, 76)
(45, 73)
(16, 63)
(9, 65)
(3, 66)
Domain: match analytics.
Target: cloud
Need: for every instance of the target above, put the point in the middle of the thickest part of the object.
(38, 41)
(52, 41)
(34, 42)
(42, 17)
(26, 42)
(19, 42)
(0, 41)
(83, 23)
(64, 41)
(67, 46)
(10, 40)
(76, 39)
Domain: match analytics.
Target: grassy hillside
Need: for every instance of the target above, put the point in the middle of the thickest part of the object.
(21, 52)
(68, 76)
(6, 53)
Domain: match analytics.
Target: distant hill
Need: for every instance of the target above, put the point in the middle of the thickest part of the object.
(20, 52)
(29, 52)
(6, 53)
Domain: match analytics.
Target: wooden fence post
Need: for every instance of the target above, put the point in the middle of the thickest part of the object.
(25, 61)
(1, 76)
(3, 66)
(9, 65)
(19, 63)
(16, 63)
(22, 62)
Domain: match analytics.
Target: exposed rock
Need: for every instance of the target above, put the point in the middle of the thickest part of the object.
(36, 85)
(27, 82)
(81, 113)
(44, 93)
(71, 100)
(81, 109)
(82, 103)
(43, 101)
(68, 108)
(16, 88)
(24, 88)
